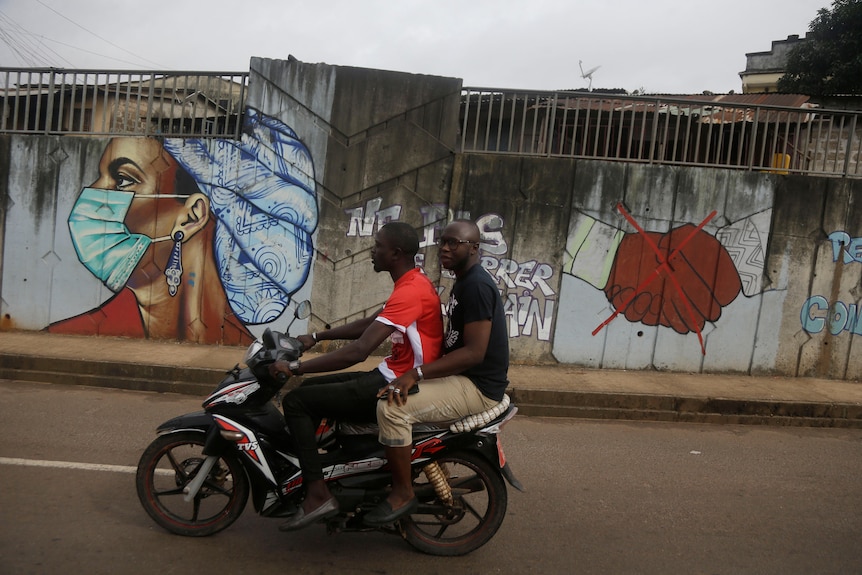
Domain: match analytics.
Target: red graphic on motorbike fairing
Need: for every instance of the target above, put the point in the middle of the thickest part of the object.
(248, 444)
(425, 449)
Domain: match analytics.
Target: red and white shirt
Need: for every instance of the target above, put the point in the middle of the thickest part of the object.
(413, 309)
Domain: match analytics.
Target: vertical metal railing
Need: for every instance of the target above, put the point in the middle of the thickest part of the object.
(109, 102)
(699, 131)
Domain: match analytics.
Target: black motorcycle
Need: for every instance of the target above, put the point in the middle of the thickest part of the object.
(194, 479)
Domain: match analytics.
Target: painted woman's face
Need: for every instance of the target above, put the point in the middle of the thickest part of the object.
(141, 166)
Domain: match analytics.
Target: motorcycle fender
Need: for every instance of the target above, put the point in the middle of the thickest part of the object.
(199, 420)
(506, 469)
(433, 447)
(509, 475)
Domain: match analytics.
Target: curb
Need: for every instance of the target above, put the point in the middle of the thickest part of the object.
(197, 381)
(113, 374)
(633, 406)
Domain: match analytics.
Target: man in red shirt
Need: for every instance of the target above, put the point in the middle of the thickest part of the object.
(411, 318)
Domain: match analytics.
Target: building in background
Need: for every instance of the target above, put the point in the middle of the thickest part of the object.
(763, 69)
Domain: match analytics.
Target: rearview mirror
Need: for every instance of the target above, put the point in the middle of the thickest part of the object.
(303, 310)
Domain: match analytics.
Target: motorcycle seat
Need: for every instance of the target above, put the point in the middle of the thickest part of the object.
(461, 425)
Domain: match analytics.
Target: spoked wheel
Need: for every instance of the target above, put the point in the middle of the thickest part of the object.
(168, 465)
(470, 519)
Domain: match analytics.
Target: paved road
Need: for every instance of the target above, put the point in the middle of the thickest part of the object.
(604, 497)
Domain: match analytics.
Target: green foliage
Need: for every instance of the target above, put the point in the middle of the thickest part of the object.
(829, 62)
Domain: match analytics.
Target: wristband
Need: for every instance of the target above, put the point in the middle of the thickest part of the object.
(419, 373)
(314, 336)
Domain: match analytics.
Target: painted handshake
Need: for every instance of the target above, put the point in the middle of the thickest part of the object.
(682, 292)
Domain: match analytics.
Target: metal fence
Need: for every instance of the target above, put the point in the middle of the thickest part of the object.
(99, 102)
(772, 132)
(743, 131)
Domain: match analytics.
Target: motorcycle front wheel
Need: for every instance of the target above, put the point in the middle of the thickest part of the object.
(470, 519)
(168, 465)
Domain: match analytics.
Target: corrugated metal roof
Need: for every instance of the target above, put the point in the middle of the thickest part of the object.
(710, 111)
(783, 100)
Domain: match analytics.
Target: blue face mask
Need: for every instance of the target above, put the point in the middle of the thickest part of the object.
(104, 244)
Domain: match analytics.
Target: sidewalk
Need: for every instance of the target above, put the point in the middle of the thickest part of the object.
(556, 390)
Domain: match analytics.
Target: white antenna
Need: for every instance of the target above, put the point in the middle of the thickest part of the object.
(588, 74)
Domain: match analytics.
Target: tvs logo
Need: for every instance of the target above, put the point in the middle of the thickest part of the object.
(246, 445)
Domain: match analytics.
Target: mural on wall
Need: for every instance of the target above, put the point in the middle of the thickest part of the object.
(682, 280)
(528, 297)
(198, 238)
(817, 312)
(701, 277)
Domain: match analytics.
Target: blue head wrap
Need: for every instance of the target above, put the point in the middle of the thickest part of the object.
(262, 193)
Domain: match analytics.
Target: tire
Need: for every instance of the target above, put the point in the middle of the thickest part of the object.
(168, 465)
(478, 509)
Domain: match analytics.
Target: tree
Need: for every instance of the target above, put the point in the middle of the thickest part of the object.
(829, 62)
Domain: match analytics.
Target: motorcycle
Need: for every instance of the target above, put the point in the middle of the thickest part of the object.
(195, 478)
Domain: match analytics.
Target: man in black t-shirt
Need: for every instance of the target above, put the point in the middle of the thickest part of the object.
(471, 376)
(475, 298)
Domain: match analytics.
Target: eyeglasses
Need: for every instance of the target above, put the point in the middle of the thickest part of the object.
(453, 243)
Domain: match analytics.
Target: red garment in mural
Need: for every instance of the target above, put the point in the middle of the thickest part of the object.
(120, 316)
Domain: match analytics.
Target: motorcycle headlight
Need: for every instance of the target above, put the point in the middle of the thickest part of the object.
(252, 350)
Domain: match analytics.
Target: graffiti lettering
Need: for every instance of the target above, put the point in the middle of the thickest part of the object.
(519, 283)
(843, 244)
(512, 275)
(523, 311)
(491, 228)
(817, 312)
(362, 220)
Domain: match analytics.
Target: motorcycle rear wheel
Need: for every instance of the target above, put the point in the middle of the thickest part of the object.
(478, 509)
(169, 464)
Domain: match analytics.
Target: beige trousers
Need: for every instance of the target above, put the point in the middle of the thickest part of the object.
(441, 399)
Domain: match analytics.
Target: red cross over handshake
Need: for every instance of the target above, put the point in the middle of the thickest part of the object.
(680, 279)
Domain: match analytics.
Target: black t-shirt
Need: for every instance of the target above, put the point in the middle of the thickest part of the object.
(475, 297)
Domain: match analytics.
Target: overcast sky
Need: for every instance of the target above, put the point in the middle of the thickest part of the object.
(662, 46)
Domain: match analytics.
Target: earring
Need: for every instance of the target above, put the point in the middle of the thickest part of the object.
(174, 271)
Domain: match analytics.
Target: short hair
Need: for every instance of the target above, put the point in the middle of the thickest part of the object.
(403, 237)
(470, 227)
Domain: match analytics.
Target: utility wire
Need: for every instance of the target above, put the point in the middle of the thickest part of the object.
(20, 41)
(91, 52)
(100, 38)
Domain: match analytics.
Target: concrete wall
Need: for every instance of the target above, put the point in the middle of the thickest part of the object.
(767, 282)
(606, 265)
(383, 145)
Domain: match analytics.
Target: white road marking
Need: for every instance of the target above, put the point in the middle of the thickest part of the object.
(72, 465)
(67, 465)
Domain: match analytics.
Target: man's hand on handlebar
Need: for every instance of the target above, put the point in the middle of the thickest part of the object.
(280, 370)
(307, 341)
